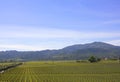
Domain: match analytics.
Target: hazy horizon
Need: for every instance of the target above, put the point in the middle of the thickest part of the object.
(56, 48)
(27, 25)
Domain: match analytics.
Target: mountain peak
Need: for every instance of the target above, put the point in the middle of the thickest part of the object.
(90, 45)
(98, 43)
(102, 44)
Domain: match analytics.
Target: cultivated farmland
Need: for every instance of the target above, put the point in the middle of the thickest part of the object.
(105, 71)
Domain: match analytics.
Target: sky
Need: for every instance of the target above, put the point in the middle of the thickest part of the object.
(27, 25)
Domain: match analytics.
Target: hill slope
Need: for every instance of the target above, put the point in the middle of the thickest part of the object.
(80, 51)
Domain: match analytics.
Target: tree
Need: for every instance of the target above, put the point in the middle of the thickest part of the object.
(92, 59)
(98, 59)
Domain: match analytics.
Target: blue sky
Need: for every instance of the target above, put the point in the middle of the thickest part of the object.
(54, 24)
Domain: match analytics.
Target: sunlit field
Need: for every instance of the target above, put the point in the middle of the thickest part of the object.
(67, 71)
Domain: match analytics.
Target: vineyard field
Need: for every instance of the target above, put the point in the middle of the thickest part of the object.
(46, 71)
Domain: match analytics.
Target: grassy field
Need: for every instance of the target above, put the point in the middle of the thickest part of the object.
(105, 71)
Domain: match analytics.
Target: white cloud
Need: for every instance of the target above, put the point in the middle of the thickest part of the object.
(114, 42)
(20, 47)
(37, 32)
(16, 33)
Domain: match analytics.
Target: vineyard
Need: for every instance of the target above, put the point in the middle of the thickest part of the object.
(63, 72)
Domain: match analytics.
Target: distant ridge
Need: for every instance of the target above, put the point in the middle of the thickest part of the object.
(79, 51)
(91, 45)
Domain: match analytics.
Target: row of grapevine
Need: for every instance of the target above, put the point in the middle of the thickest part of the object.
(42, 72)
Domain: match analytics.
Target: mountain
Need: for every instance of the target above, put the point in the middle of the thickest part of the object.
(83, 51)
(90, 45)
(74, 52)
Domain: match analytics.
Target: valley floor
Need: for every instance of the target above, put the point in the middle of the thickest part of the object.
(46, 71)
